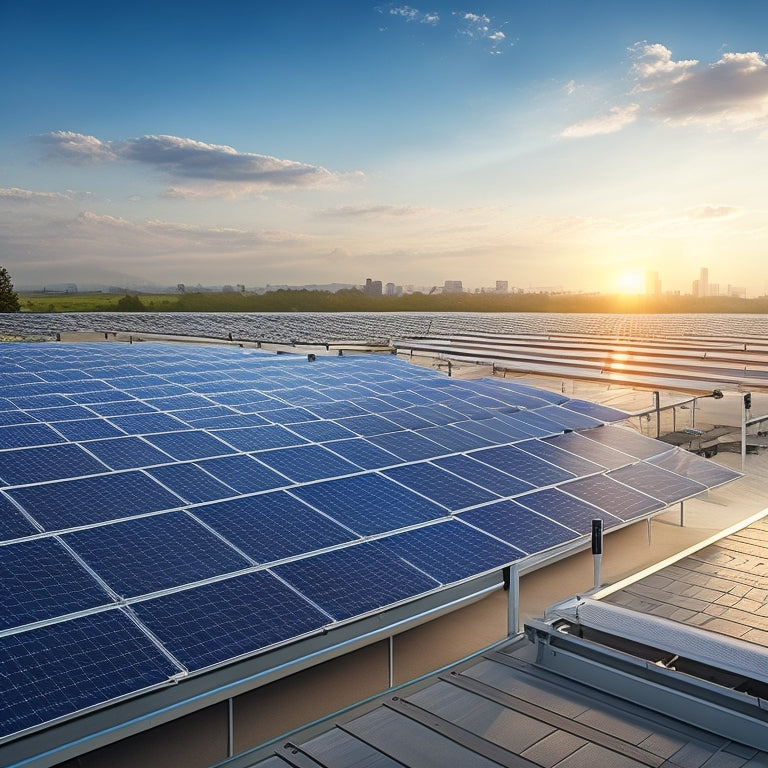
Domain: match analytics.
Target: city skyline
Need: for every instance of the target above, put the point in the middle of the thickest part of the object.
(551, 146)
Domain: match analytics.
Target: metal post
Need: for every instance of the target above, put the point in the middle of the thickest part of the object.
(657, 403)
(743, 433)
(682, 514)
(597, 548)
(391, 661)
(513, 613)
(230, 728)
(648, 521)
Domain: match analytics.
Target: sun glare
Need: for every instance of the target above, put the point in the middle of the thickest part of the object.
(630, 283)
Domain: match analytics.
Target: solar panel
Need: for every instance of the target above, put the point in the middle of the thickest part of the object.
(50, 462)
(614, 497)
(149, 554)
(223, 620)
(450, 551)
(272, 526)
(369, 504)
(231, 508)
(61, 669)
(41, 580)
(657, 482)
(442, 487)
(305, 463)
(96, 499)
(567, 510)
(244, 474)
(355, 580)
(494, 480)
(514, 461)
(519, 526)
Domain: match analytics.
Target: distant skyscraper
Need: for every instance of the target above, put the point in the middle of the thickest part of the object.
(502, 286)
(652, 284)
(453, 286)
(703, 282)
(372, 287)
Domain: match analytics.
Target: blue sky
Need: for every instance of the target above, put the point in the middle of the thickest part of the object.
(557, 144)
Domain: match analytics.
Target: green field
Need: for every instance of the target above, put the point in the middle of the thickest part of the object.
(356, 301)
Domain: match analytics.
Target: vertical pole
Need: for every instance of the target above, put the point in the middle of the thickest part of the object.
(391, 661)
(682, 514)
(513, 612)
(597, 548)
(743, 433)
(230, 728)
(648, 520)
(657, 403)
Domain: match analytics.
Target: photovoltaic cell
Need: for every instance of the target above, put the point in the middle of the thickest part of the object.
(355, 580)
(450, 551)
(96, 499)
(259, 438)
(244, 474)
(8, 418)
(454, 439)
(567, 510)
(512, 460)
(409, 446)
(696, 468)
(223, 620)
(26, 435)
(126, 452)
(440, 486)
(147, 424)
(494, 480)
(570, 419)
(13, 524)
(321, 431)
(191, 483)
(60, 669)
(369, 504)
(122, 407)
(367, 426)
(519, 526)
(49, 462)
(62, 413)
(614, 497)
(305, 463)
(563, 459)
(625, 440)
(272, 526)
(363, 453)
(189, 445)
(536, 423)
(40, 580)
(588, 449)
(149, 554)
(657, 482)
(595, 410)
(87, 429)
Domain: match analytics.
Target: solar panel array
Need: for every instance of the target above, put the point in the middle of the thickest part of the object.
(168, 509)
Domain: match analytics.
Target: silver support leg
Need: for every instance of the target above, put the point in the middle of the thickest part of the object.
(230, 728)
(682, 514)
(391, 661)
(648, 521)
(513, 614)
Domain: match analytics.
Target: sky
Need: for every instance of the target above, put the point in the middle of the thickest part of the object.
(557, 145)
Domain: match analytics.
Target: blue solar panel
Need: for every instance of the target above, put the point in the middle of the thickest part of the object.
(272, 526)
(405, 419)
(567, 510)
(321, 431)
(409, 446)
(625, 440)
(191, 483)
(369, 504)
(87, 429)
(510, 428)
(126, 453)
(614, 497)
(440, 486)
(568, 418)
(288, 416)
(595, 410)
(355, 580)
(570, 462)
(588, 449)
(111, 409)
(13, 524)
(8, 418)
(494, 480)
(26, 435)
(61, 669)
(696, 468)
(369, 425)
(512, 460)
(189, 445)
(337, 410)
(454, 438)
(451, 551)
(97, 499)
(363, 453)
(521, 527)
(147, 423)
(305, 463)
(149, 554)
(40, 580)
(657, 482)
(224, 620)
(219, 417)
(243, 473)
(178, 402)
(62, 413)
(49, 462)
(259, 438)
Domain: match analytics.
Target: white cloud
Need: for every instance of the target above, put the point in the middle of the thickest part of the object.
(26, 196)
(479, 26)
(616, 119)
(377, 211)
(221, 169)
(411, 14)
(653, 67)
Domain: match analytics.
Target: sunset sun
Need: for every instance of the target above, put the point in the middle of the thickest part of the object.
(629, 283)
